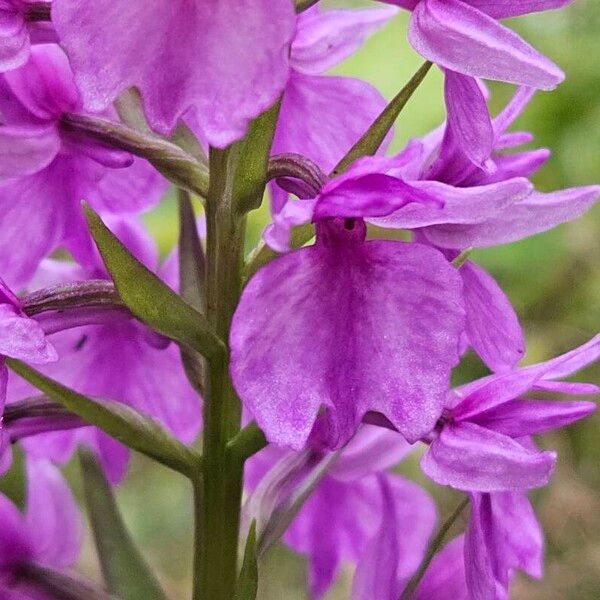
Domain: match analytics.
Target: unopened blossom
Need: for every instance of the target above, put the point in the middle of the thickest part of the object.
(223, 63)
(465, 38)
(46, 171)
(314, 118)
(20, 337)
(19, 29)
(120, 361)
(503, 536)
(481, 444)
(347, 325)
(349, 503)
(48, 534)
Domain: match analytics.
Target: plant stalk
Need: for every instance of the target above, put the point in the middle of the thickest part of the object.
(218, 525)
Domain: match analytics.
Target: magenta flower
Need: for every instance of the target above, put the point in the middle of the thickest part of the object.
(46, 171)
(466, 40)
(20, 337)
(329, 327)
(314, 119)
(503, 535)
(493, 328)
(121, 361)
(481, 444)
(48, 534)
(18, 31)
(348, 505)
(205, 69)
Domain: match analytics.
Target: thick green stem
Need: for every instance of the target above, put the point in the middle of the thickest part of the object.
(222, 481)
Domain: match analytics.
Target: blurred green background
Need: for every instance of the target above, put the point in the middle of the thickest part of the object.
(552, 279)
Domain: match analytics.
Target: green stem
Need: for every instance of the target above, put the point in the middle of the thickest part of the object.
(222, 481)
(435, 545)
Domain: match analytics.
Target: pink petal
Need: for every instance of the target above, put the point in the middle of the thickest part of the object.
(502, 9)
(23, 338)
(27, 150)
(534, 214)
(519, 418)
(204, 66)
(492, 325)
(315, 120)
(468, 457)
(459, 37)
(445, 577)
(45, 85)
(298, 343)
(52, 516)
(468, 117)
(461, 205)
(14, 38)
(325, 38)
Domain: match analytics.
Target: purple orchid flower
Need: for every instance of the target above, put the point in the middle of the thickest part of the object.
(19, 29)
(48, 535)
(205, 67)
(20, 337)
(348, 326)
(493, 327)
(120, 360)
(348, 504)
(315, 119)
(481, 443)
(46, 171)
(466, 40)
(503, 535)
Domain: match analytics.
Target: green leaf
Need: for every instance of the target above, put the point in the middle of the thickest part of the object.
(249, 181)
(247, 586)
(117, 420)
(150, 299)
(192, 278)
(125, 571)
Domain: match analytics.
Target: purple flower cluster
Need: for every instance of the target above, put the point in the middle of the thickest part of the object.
(341, 351)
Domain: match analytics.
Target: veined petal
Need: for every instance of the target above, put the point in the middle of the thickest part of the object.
(45, 85)
(468, 117)
(570, 362)
(459, 37)
(52, 517)
(471, 458)
(14, 38)
(519, 418)
(371, 450)
(314, 117)
(502, 9)
(23, 338)
(493, 327)
(461, 205)
(367, 343)
(27, 150)
(371, 195)
(396, 549)
(205, 65)
(516, 538)
(445, 578)
(536, 213)
(325, 38)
